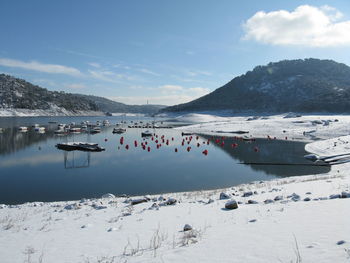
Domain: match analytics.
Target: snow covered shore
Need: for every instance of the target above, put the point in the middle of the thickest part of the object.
(52, 112)
(295, 219)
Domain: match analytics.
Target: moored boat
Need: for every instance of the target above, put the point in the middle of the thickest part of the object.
(119, 130)
(146, 133)
(80, 146)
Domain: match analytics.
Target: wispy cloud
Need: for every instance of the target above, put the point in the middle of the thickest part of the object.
(147, 71)
(41, 67)
(305, 26)
(94, 64)
(169, 95)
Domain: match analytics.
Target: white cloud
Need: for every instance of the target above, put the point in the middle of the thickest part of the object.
(147, 71)
(305, 26)
(109, 76)
(37, 66)
(94, 64)
(169, 95)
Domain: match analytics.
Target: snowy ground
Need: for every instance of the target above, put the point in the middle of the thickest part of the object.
(296, 219)
(51, 112)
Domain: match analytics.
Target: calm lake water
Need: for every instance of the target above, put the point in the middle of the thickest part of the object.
(33, 169)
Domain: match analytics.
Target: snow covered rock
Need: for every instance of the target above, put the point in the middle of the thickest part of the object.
(278, 198)
(74, 206)
(335, 196)
(108, 196)
(231, 204)
(224, 196)
(139, 201)
(252, 202)
(268, 201)
(247, 194)
(345, 195)
(295, 197)
(187, 227)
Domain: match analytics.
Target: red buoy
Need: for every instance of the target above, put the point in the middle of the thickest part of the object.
(127, 147)
(188, 148)
(222, 144)
(256, 149)
(176, 150)
(149, 149)
(135, 143)
(205, 152)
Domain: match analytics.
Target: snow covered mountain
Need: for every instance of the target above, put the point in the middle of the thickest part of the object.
(19, 94)
(303, 85)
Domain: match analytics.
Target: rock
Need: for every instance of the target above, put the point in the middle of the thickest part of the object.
(345, 195)
(335, 196)
(341, 242)
(252, 221)
(308, 193)
(323, 198)
(112, 229)
(306, 199)
(295, 197)
(224, 196)
(247, 194)
(171, 201)
(231, 204)
(138, 201)
(268, 201)
(210, 201)
(239, 202)
(187, 227)
(255, 192)
(109, 196)
(154, 206)
(278, 198)
(252, 202)
(72, 207)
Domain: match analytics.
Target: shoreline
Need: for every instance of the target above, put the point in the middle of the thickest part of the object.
(301, 217)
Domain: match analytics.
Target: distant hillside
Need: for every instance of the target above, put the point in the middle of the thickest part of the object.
(309, 85)
(16, 93)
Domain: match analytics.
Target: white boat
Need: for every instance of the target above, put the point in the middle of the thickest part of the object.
(105, 123)
(146, 133)
(119, 130)
(1, 130)
(35, 125)
(95, 130)
(75, 130)
(60, 131)
(23, 129)
(39, 129)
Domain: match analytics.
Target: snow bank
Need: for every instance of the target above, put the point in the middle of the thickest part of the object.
(51, 112)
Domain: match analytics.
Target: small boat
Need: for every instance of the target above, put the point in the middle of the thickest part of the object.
(75, 130)
(95, 130)
(1, 130)
(146, 134)
(23, 129)
(60, 131)
(80, 146)
(35, 125)
(105, 123)
(119, 130)
(39, 129)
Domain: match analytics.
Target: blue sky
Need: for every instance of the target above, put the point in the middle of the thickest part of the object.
(166, 52)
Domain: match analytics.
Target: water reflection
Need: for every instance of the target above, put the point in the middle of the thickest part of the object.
(33, 169)
(276, 152)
